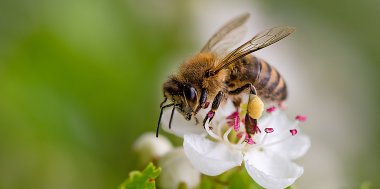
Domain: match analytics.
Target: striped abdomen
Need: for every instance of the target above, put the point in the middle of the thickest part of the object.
(268, 82)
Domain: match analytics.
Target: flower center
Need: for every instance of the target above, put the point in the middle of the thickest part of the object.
(231, 130)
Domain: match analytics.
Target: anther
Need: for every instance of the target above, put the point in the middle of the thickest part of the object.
(256, 129)
(271, 109)
(301, 118)
(240, 134)
(293, 131)
(237, 124)
(249, 140)
(233, 115)
(269, 130)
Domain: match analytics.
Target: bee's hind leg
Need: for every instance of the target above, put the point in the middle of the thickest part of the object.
(254, 108)
(215, 105)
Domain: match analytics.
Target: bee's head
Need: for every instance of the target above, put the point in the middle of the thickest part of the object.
(183, 96)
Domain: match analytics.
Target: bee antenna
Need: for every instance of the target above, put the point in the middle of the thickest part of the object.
(171, 117)
(159, 119)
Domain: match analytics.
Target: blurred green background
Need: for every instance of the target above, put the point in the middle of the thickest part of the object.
(80, 80)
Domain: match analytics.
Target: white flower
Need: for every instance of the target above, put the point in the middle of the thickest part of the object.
(177, 169)
(267, 155)
(151, 148)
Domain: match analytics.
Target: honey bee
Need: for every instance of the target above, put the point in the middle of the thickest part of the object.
(212, 77)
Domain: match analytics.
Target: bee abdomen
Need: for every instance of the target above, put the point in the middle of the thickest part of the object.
(267, 80)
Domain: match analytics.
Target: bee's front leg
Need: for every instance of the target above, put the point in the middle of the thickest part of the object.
(215, 105)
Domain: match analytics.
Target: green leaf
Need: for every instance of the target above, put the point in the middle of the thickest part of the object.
(144, 179)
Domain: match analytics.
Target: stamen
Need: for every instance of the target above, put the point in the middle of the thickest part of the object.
(234, 120)
(256, 129)
(240, 135)
(237, 124)
(293, 131)
(249, 140)
(241, 143)
(225, 136)
(271, 109)
(301, 118)
(233, 115)
(212, 134)
(230, 123)
(268, 130)
(241, 140)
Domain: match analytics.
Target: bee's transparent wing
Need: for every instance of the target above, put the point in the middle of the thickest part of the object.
(227, 36)
(258, 42)
(229, 42)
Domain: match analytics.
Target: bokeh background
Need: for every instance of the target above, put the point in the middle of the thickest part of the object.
(80, 80)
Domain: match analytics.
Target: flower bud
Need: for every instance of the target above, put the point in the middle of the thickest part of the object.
(149, 147)
(177, 170)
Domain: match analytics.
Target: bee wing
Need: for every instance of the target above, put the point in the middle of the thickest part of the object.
(258, 42)
(222, 35)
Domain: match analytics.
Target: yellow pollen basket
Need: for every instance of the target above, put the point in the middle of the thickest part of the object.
(255, 106)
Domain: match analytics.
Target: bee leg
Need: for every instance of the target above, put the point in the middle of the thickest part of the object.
(237, 101)
(215, 105)
(254, 108)
(202, 101)
(241, 89)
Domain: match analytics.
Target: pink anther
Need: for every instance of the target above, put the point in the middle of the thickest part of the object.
(233, 115)
(271, 109)
(237, 123)
(301, 118)
(293, 132)
(240, 134)
(269, 130)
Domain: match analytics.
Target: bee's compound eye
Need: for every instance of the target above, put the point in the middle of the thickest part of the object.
(190, 93)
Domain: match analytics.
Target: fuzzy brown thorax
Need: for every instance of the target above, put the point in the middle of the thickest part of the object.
(192, 74)
(194, 71)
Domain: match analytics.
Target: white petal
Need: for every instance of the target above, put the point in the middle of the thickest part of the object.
(271, 171)
(281, 125)
(180, 125)
(209, 157)
(177, 169)
(294, 147)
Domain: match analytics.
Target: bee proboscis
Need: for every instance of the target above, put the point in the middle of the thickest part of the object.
(212, 76)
